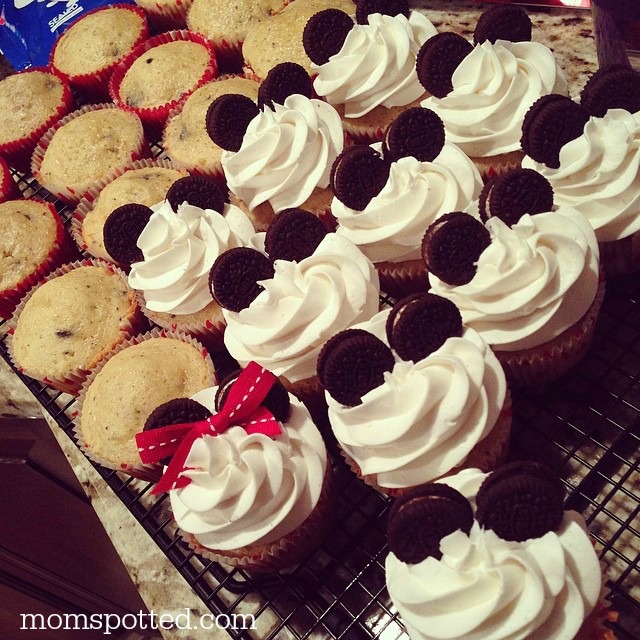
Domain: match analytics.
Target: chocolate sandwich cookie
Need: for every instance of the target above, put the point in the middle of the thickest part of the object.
(421, 518)
(276, 400)
(358, 174)
(121, 231)
(416, 132)
(503, 22)
(351, 364)
(438, 58)
(452, 245)
(234, 276)
(364, 8)
(293, 235)
(176, 411)
(551, 122)
(198, 191)
(520, 501)
(325, 33)
(420, 323)
(227, 119)
(282, 81)
(512, 194)
(614, 87)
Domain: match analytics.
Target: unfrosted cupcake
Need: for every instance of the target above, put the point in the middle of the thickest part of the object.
(31, 101)
(85, 147)
(410, 181)
(33, 243)
(478, 556)
(161, 71)
(483, 91)
(185, 139)
(414, 396)
(527, 280)
(368, 74)
(592, 160)
(165, 15)
(68, 322)
(123, 389)
(254, 496)
(144, 182)
(89, 49)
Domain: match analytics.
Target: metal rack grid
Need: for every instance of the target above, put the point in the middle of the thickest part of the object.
(587, 428)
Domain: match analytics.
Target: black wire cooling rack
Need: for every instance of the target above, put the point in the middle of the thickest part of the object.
(586, 427)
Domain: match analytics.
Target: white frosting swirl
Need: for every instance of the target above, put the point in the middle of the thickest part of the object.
(427, 416)
(376, 64)
(391, 226)
(599, 174)
(533, 281)
(302, 306)
(286, 153)
(493, 88)
(250, 489)
(486, 588)
(179, 250)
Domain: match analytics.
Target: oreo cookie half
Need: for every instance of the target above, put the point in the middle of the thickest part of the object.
(613, 87)
(416, 132)
(438, 58)
(503, 22)
(325, 33)
(521, 502)
(351, 364)
(293, 235)
(233, 278)
(176, 411)
(198, 191)
(452, 245)
(364, 8)
(227, 119)
(551, 122)
(276, 400)
(358, 174)
(282, 81)
(121, 231)
(420, 323)
(510, 195)
(420, 519)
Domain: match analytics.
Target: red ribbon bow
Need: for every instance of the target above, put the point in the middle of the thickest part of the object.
(241, 407)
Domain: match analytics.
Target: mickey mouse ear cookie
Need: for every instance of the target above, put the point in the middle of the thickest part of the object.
(520, 501)
(282, 81)
(121, 231)
(613, 87)
(420, 324)
(351, 364)
(452, 245)
(420, 519)
(364, 8)
(198, 191)
(234, 276)
(227, 119)
(416, 132)
(293, 235)
(438, 58)
(325, 33)
(510, 195)
(504, 22)
(551, 122)
(358, 174)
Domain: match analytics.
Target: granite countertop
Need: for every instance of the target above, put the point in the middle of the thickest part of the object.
(569, 34)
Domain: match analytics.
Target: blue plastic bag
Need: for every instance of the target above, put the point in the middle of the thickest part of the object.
(28, 28)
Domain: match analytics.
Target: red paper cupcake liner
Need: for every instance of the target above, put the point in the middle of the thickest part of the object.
(95, 86)
(8, 187)
(69, 193)
(18, 152)
(167, 17)
(154, 118)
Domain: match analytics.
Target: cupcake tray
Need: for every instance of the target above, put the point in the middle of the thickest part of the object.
(586, 427)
